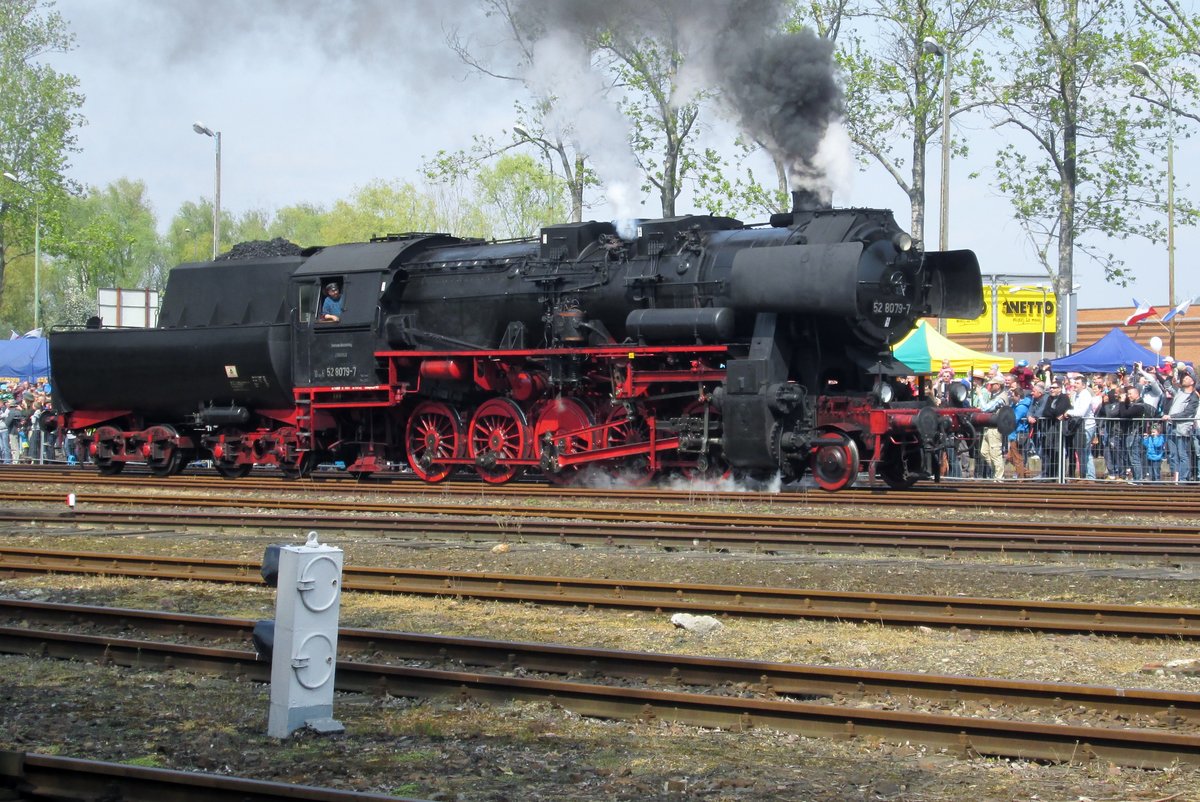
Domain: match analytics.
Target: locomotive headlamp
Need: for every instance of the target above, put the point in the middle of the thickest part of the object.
(958, 393)
(883, 392)
(903, 241)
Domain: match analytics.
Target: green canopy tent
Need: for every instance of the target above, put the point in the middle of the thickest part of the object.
(924, 349)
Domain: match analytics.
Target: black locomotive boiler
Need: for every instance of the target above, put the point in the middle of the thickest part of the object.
(701, 346)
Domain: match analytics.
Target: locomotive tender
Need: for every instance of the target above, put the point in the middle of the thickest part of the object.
(702, 345)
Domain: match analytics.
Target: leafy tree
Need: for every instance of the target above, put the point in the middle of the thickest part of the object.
(39, 112)
(894, 82)
(300, 224)
(664, 129)
(195, 229)
(1178, 40)
(520, 195)
(557, 145)
(731, 188)
(1087, 172)
(253, 225)
(112, 242)
(377, 209)
(189, 235)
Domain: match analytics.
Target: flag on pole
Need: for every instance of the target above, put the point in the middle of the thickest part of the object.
(1143, 311)
(1180, 310)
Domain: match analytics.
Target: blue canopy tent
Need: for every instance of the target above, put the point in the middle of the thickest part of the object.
(1112, 351)
(24, 359)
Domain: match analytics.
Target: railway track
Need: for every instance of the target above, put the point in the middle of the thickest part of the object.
(878, 608)
(63, 779)
(969, 716)
(1115, 497)
(650, 528)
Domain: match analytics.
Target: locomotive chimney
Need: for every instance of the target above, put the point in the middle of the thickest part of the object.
(805, 200)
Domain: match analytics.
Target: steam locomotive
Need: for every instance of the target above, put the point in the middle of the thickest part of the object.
(699, 345)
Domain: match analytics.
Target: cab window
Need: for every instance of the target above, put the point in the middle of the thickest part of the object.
(331, 303)
(307, 305)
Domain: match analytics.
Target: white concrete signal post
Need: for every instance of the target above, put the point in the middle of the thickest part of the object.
(303, 647)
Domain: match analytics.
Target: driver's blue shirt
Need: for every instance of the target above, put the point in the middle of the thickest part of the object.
(331, 307)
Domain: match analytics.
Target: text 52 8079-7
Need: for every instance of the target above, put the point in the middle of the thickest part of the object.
(890, 308)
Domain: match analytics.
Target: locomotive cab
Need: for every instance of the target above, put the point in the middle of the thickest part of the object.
(337, 353)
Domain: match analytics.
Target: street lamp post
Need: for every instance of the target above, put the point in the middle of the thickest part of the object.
(1140, 68)
(201, 128)
(932, 47)
(37, 251)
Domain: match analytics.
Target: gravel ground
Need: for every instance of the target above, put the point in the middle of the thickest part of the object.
(449, 751)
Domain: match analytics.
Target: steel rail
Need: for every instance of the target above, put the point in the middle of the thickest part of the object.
(50, 777)
(876, 608)
(1140, 747)
(770, 679)
(422, 529)
(691, 519)
(1099, 496)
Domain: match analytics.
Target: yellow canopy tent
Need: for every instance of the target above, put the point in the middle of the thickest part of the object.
(924, 349)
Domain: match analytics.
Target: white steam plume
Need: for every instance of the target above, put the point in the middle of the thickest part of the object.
(561, 69)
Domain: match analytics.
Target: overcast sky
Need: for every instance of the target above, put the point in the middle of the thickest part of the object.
(315, 98)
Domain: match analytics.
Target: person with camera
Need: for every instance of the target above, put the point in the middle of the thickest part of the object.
(1180, 420)
(1149, 387)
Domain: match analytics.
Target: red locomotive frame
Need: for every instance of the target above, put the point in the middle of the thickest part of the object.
(634, 410)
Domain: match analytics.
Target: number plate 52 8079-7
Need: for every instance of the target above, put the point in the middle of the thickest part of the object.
(890, 308)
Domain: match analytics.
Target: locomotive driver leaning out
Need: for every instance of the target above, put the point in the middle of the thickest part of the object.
(331, 304)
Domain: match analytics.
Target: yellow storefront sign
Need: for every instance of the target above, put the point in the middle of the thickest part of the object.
(1020, 309)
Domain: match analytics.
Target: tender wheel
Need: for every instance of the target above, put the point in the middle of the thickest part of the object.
(167, 466)
(434, 433)
(834, 461)
(225, 451)
(498, 432)
(299, 467)
(561, 415)
(165, 457)
(109, 468)
(625, 430)
(235, 471)
(107, 441)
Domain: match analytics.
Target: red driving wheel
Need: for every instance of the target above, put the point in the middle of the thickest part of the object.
(562, 415)
(433, 434)
(625, 429)
(498, 432)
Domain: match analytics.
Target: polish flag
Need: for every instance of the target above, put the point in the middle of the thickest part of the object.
(1143, 311)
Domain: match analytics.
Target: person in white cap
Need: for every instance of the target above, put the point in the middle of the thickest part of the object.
(992, 449)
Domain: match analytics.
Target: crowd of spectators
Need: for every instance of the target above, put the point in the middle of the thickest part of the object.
(22, 439)
(1137, 426)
